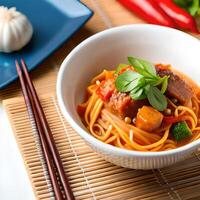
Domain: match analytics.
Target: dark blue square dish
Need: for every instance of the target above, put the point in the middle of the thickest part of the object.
(53, 21)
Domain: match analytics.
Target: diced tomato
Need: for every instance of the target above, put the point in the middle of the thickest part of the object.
(163, 67)
(106, 89)
(171, 119)
(104, 95)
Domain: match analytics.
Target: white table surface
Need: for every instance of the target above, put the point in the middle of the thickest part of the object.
(14, 181)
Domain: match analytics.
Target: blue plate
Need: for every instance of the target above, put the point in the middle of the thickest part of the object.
(54, 21)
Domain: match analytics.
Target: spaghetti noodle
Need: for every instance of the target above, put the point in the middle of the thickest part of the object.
(113, 129)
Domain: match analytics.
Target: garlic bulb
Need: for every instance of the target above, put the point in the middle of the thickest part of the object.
(15, 30)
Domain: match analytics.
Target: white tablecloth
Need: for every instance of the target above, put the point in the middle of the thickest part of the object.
(14, 181)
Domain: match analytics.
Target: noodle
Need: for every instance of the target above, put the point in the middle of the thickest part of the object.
(113, 130)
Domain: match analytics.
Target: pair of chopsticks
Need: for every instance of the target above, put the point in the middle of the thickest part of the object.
(55, 168)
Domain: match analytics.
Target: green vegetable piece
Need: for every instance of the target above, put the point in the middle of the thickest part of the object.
(120, 67)
(193, 9)
(191, 6)
(181, 131)
(182, 3)
(156, 98)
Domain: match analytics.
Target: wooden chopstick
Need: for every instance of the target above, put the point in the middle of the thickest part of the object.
(45, 149)
(49, 136)
(47, 154)
(32, 112)
(49, 148)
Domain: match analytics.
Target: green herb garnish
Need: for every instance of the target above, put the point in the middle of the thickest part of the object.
(127, 81)
(143, 83)
(120, 67)
(191, 6)
(156, 98)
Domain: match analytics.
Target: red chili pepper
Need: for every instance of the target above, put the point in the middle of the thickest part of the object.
(183, 19)
(171, 119)
(150, 11)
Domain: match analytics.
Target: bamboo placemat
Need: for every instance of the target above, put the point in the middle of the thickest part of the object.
(90, 176)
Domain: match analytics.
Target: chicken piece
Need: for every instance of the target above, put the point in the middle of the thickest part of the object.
(148, 119)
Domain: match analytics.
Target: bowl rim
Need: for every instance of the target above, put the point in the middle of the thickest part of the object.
(86, 135)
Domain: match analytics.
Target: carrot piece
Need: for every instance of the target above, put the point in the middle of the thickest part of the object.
(148, 119)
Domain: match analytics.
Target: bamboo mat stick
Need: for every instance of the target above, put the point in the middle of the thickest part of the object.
(89, 175)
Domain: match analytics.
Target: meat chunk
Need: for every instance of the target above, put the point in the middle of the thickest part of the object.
(118, 102)
(177, 87)
(132, 110)
(122, 105)
(148, 119)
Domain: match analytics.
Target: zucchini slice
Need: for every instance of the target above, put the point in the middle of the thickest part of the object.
(181, 131)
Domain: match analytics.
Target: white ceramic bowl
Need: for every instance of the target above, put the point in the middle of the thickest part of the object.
(105, 50)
